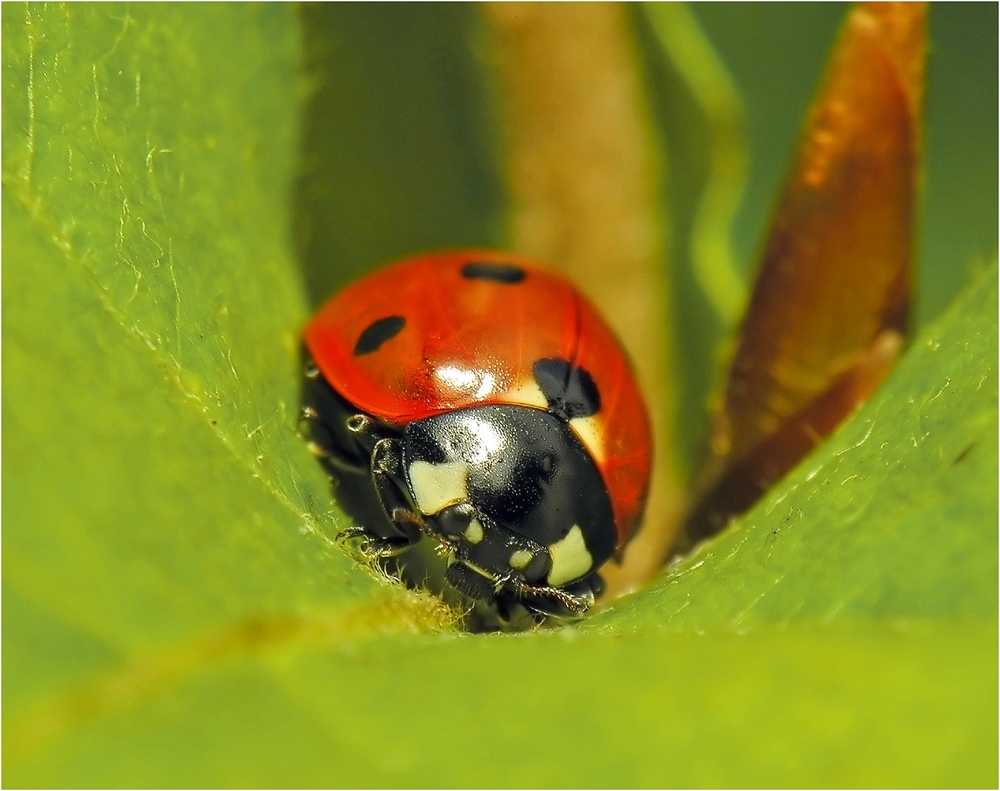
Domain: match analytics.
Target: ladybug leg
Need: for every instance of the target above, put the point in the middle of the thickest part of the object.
(374, 547)
(364, 431)
(330, 458)
(342, 437)
(573, 600)
(386, 476)
(327, 418)
(383, 472)
(402, 516)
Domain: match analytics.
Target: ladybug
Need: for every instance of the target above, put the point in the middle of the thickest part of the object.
(479, 401)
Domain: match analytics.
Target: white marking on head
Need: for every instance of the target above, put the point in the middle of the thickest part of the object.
(436, 486)
(570, 558)
(520, 558)
(474, 532)
(590, 431)
(526, 393)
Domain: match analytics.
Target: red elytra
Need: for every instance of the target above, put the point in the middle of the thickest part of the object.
(464, 341)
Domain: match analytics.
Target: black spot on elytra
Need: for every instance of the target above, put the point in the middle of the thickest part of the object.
(508, 274)
(571, 392)
(377, 333)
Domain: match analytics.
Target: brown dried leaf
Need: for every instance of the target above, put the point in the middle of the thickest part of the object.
(832, 294)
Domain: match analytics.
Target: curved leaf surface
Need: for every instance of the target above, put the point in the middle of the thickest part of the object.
(174, 614)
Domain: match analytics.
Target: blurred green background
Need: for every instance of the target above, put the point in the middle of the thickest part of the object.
(183, 183)
(400, 107)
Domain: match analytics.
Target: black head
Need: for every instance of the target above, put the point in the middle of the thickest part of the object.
(514, 491)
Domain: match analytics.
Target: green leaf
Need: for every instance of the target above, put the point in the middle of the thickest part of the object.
(174, 613)
(893, 517)
(156, 490)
